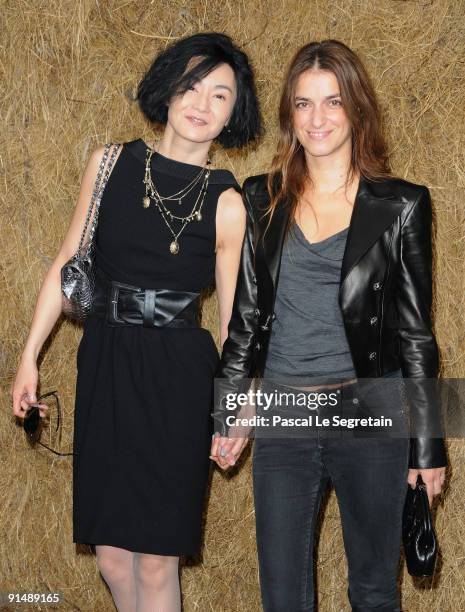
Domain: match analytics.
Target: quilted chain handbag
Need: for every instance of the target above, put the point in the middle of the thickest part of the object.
(77, 274)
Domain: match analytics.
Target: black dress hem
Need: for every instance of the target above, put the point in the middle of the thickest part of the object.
(136, 549)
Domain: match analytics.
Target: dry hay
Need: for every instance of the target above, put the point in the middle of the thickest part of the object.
(71, 69)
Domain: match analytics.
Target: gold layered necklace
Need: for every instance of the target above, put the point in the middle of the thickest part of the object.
(152, 193)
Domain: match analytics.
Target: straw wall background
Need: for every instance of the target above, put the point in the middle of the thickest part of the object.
(70, 70)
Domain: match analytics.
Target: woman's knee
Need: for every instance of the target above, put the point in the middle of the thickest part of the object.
(114, 564)
(151, 569)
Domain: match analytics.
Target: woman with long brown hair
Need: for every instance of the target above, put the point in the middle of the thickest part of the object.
(351, 247)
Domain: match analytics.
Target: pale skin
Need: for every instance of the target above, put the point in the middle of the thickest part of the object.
(323, 129)
(194, 120)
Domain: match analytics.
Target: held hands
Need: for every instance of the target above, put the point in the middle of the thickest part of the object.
(432, 477)
(225, 451)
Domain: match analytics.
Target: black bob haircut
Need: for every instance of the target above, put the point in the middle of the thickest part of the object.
(166, 78)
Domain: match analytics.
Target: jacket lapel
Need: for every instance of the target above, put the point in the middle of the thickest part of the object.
(374, 212)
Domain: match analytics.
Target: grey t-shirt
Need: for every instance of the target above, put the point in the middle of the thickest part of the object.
(308, 339)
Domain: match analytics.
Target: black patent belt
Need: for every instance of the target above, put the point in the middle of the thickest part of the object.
(124, 304)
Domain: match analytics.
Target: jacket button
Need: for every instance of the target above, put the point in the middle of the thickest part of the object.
(256, 312)
(355, 400)
(258, 346)
(373, 320)
(376, 286)
(372, 355)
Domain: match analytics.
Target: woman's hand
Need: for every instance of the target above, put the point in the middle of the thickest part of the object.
(24, 389)
(226, 451)
(432, 477)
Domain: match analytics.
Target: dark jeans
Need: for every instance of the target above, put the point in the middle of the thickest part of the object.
(370, 480)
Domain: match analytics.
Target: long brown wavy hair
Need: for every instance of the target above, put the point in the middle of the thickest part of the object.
(289, 172)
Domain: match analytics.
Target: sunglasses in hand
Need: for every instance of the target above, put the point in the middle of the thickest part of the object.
(32, 422)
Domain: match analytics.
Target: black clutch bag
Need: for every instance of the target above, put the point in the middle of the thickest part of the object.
(418, 537)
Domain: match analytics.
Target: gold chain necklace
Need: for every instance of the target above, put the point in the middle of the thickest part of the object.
(151, 192)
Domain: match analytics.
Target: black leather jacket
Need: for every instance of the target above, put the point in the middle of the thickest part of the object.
(385, 291)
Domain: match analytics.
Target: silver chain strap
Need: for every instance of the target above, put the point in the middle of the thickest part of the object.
(97, 193)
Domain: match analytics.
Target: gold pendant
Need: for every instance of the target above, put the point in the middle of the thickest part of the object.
(198, 215)
(174, 247)
(146, 201)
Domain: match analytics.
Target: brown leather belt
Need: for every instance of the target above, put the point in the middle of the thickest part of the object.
(124, 304)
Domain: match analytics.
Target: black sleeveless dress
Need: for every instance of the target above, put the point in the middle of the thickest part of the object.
(142, 421)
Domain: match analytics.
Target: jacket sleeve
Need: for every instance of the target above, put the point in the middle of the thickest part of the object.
(236, 364)
(418, 348)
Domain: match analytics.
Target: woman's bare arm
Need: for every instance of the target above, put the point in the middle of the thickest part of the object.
(230, 230)
(49, 300)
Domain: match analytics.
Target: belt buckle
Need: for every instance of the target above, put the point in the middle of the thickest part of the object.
(112, 310)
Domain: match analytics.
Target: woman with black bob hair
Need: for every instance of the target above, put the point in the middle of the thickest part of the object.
(168, 76)
(169, 226)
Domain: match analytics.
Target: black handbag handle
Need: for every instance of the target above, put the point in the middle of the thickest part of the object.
(425, 503)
